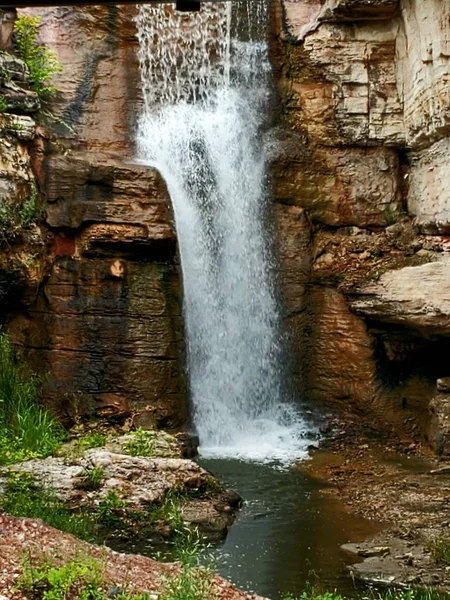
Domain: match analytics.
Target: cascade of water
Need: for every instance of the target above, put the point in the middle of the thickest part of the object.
(205, 85)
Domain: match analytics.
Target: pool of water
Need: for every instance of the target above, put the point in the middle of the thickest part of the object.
(286, 534)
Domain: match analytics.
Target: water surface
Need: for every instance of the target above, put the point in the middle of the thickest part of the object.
(287, 532)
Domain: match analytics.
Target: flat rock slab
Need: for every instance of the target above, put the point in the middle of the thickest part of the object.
(139, 483)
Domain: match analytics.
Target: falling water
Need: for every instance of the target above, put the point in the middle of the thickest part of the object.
(205, 85)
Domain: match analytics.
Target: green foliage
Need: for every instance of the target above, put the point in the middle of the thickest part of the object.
(78, 578)
(191, 584)
(92, 440)
(92, 478)
(314, 593)
(111, 511)
(13, 217)
(29, 212)
(24, 499)
(7, 214)
(440, 550)
(41, 61)
(3, 104)
(27, 430)
(142, 444)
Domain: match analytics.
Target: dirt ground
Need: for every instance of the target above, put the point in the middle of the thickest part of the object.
(396, 482)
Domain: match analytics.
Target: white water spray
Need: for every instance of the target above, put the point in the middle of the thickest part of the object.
(205, 89)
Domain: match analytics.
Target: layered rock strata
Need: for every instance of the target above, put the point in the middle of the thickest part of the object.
(106, 326)
(364, 92)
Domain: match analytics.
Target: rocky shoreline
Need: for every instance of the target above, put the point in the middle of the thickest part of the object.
(397, 483)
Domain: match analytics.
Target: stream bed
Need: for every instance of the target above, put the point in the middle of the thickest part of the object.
(286, 534)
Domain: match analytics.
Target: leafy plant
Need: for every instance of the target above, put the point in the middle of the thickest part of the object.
(27, 430)
(23, 498)
(42, 62)
(29, 212)
(3, 104)
(92, 440)
(111, 511)
(7, 214)
(142, 444)
(78, 578)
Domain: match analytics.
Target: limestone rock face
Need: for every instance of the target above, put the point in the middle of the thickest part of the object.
(364, 90)
(414, 297)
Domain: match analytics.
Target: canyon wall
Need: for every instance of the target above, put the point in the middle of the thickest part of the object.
(361, 189)
(105, 327)
(364, 91)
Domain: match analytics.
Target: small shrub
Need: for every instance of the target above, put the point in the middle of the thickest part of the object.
(29, 212)
(93, 440)
(142, 444)
(191, 584)
(7, 214)
(41, 61)
(27, 430)
(3, 104)
(111, 511)
(23, 498)
(78, 578)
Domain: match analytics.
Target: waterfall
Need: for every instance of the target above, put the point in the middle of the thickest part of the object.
(205, 81)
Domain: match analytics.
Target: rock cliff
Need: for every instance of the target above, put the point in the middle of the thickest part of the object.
(364, 94)
(105, 326)
(361, 195)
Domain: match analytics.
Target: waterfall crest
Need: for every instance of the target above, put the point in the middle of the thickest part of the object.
(205, 86)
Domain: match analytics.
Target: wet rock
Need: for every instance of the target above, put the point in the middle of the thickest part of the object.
(189, 443)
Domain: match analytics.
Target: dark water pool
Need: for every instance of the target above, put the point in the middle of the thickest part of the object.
(286, 534)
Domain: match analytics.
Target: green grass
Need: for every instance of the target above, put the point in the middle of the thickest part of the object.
(315, 593)
(142, 444)
(440, 550)
(83, 578)
(23, 498)
(92, 478)
(27, 430)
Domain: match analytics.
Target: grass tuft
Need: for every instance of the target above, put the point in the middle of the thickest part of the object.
(27, 430)
(23, 498)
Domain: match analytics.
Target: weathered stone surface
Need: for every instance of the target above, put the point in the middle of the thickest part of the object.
(429, 188)
(139, 483)
(99, 85)
(110, 340)
(439, 424)
(338, 361)
(423, 60)
(107, 325)
(18, 100)
(339, 187)
(355, 10)
(340, 84)
(12, 67)
(414, 297)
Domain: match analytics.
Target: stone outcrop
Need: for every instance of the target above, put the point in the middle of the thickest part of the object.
(363, 86)
(106, 326)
